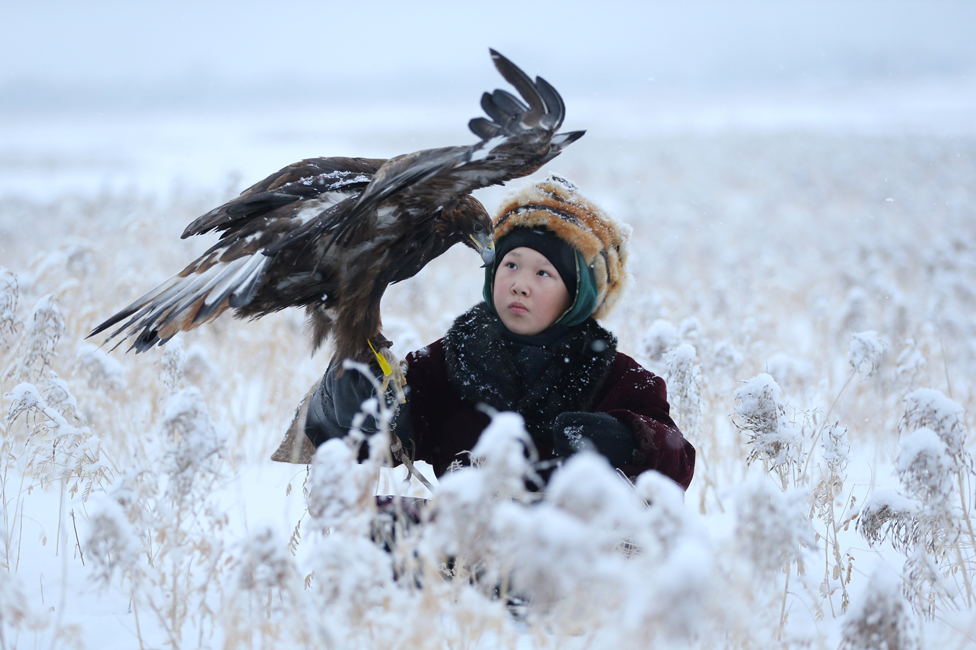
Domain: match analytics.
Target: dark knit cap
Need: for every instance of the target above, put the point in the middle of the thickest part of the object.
(542, 240)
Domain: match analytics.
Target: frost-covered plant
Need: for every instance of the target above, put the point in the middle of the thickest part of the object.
(174, 522)
(460, 520)
(340, 490)
(103, 371)
(867, 352)
(880, 619)
(173, 362)
(934, 466)
(771, 526)
(909, 363)
(770, 531)
(667, 521)
(58, 395)
(928, 519)
(459, 530)
(660, 338)
(15, 610)
(354, 591)
(925, 468)
(113, 545)
(506, 452)
(9, 293)
(56, 449)
(854, 313)
(264, 561)
(927, 407)
(920, 516)
(888, 513)
(788, 370)
(927, 586)
(684, 389)
(727, 357)
(36, 348)
(194, 444)
(264, 577)
(587, 488)
(198, 367)
(773, 440)
(676, 584)
(550, 557)
(690, 331)
(120, 543)
(571, 548)
(157, 530)
(834, 448)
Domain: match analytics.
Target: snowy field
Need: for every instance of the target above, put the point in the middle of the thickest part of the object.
(804, 276)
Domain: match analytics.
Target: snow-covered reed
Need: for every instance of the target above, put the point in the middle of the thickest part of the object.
(818, 343)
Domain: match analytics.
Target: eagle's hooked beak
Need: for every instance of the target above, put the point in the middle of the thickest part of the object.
(485, 245)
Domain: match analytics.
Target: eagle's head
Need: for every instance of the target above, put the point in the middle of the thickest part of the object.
(470, 225)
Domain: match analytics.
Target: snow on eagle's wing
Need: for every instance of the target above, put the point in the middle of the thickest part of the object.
(230, 273)
(300, 181)
(517, 141)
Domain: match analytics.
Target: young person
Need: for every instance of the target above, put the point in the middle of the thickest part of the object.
(533, 346)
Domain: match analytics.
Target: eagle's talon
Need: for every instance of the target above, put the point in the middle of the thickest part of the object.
(397, 378)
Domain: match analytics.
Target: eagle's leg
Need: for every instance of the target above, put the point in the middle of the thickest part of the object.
(320, 323)
(397, 377)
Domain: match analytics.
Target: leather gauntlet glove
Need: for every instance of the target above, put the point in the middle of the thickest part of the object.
(575, 430)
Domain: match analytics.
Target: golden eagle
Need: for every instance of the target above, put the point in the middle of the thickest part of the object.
(330, 234)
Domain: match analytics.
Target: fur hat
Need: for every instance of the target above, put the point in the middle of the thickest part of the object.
(555, 204)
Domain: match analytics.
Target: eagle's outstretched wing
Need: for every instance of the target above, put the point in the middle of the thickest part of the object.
(330, 234)
(516, 141)
(300, 181)
(230, 273)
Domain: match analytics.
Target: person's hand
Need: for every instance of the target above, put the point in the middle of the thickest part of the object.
(350, 390)
(336, 402)
(575, 430)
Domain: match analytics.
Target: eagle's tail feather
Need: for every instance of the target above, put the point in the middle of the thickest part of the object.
(183, 302)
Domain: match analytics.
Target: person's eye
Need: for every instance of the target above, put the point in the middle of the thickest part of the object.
(545, 274)
(510, 265)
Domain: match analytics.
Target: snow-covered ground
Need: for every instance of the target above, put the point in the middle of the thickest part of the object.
(772, 223)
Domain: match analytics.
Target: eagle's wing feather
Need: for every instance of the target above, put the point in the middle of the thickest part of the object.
(519, 138)
(300, 181)
(229, 274)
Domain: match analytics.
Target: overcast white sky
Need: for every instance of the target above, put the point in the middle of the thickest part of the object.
(182, 51)
(127, 93)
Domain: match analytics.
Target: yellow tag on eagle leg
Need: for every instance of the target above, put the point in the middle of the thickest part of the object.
(384, 364)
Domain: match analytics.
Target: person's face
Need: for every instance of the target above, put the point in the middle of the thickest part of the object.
(529, 295)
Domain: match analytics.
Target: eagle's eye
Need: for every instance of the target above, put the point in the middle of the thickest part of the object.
(478, 227)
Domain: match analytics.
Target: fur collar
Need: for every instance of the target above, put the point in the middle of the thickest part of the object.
(479, 367)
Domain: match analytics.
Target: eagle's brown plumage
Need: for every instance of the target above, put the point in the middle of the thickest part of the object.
(330, 234)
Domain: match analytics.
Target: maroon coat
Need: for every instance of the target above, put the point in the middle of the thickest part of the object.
(451, 377)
